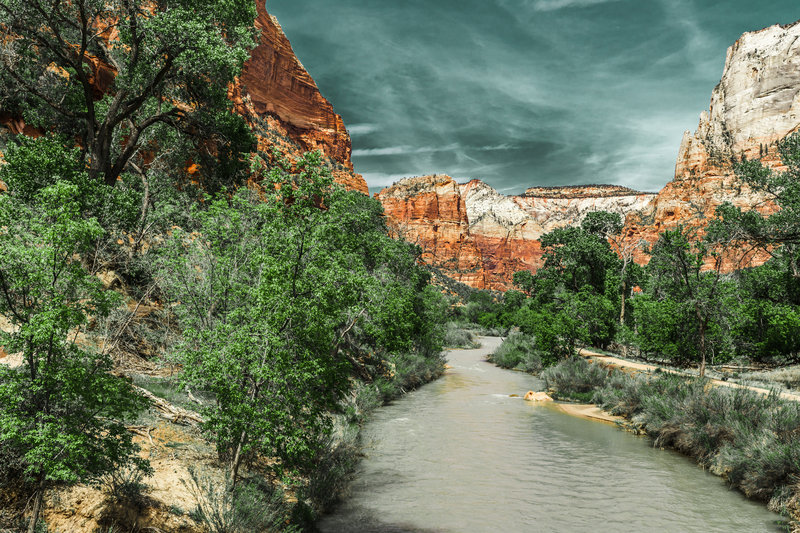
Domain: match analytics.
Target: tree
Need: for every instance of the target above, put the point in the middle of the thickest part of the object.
(61, 411)
(679, 280)
(609, 226)
(285, 292)
(116, 73)
(779, 232)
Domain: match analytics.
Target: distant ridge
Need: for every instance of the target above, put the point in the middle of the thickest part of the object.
(583, 191)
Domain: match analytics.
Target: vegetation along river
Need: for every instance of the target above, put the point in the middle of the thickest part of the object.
(461, 455)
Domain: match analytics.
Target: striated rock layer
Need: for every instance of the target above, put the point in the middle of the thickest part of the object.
(480, 237)
(490, 236)
(281, 101)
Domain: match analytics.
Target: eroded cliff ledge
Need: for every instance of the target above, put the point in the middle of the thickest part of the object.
(282, 102)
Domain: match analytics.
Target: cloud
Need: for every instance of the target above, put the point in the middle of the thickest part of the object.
(553, 5)
(363, 129)
(410, 150)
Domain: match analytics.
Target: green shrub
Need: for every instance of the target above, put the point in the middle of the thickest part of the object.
(251, 506)
(519, 351)
(458, 337)
(574, 375)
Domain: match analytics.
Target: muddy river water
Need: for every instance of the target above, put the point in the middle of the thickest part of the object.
(460, 455)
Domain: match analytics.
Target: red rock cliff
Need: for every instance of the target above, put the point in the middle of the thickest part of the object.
(756, 103)
(480, 237)
(280, 99)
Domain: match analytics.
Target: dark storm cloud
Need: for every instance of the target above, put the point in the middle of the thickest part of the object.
(520, 92)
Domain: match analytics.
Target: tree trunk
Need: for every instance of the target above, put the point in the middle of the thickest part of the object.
(702, 348)
(622, 307)
(237, 459)
(37, 507)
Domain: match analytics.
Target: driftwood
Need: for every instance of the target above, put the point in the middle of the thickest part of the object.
(173, 413)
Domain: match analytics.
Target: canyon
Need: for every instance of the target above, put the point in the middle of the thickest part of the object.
(480, 237)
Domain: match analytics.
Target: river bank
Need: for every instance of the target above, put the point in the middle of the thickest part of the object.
(461, 454)
(739, 433)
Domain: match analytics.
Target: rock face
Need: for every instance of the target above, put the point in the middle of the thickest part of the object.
(756, 103)
(480, 237)
(490, 236)
(279, 98)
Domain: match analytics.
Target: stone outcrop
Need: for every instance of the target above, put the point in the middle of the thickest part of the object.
(281, 101)
(480, 237)
(756, 104)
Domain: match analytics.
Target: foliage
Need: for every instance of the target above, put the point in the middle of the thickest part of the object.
(749, 438)
(574, 378)
(153, 82)
(685, 312)
(777, 233)
(519, 351)
(574, 295)
(61, 410)
(33, 164)
(251, 506)
(284, 292)
(458, 337)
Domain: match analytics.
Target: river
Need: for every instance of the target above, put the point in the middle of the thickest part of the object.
(460, 455)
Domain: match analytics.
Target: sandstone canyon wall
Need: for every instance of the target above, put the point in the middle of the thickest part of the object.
(481, 237)
(756, 104)
(281, 101)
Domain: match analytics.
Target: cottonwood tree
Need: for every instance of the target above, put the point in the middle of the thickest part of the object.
(573, 293)
(115, 74)
(61, 411)
(609, 226)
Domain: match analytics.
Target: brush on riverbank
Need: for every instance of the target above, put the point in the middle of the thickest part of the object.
(750, 439)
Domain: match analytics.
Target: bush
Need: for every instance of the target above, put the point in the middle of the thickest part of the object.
(519, 352)
(251, 506)
(574, 378)
(458, 337)
(750, 439)
(124, 487)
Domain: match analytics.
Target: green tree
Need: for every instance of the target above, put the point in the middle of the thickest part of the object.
(779, 232)
(115, 74)
(609, 226)
(61, 411)
(688, 292)
(284, 291)
(575, 291)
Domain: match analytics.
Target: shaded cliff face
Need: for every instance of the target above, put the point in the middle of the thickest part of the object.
(756, 103)
(282, 103)
(480, 237)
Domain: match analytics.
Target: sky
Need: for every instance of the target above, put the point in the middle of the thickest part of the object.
(520, 93)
